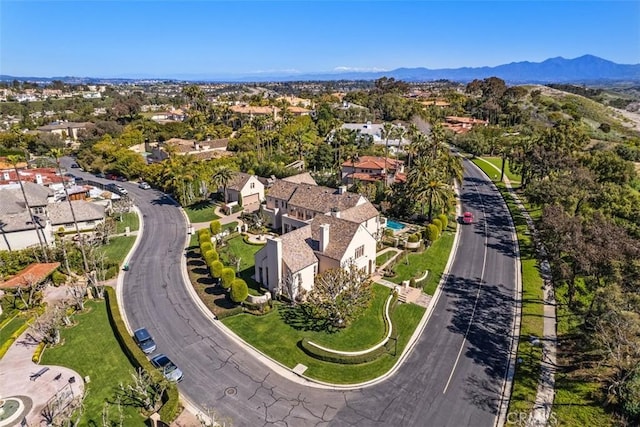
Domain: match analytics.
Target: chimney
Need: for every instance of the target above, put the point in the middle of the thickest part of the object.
(274, 263)
(324, 237)
(342, 189)
(38, 179)
(335, 212)
(6, 176)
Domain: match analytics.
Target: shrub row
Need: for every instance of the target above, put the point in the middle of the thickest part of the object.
(138, 359)
(6, 321)
(228, 313)
(14, 336)
(326, 356)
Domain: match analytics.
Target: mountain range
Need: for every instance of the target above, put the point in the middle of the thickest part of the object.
(584, 69)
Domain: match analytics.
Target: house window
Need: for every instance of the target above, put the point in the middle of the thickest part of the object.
(359, 251)
(252, 185)
(39, 210)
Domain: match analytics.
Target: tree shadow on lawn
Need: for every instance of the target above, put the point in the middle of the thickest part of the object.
(299, 319)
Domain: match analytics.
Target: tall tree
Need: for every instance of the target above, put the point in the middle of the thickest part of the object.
(14, 160)
(221, 176)
(57, 153)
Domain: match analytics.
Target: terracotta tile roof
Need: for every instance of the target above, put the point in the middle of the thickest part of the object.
(341, 233)
(34, 272)
(238, 181)
(47, 175)
(249, 109)
(374, 162)
(297, 252)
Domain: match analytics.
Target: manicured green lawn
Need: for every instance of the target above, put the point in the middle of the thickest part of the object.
(497, 162)
(201, 212)
(433, 259)
(91, 349)
(129, 219)
(237, 248)
(278, 340)
(118, 248)
(10, 328)
(381, 259)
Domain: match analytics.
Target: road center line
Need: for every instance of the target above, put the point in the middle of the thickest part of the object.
(475, 304)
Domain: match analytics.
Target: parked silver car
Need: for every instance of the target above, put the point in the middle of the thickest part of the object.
(168, 368)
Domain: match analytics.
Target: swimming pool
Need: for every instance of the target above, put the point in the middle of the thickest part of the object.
(394, 225)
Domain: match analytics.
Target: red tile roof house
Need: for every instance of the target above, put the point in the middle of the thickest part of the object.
(372, 169)
(322, 228)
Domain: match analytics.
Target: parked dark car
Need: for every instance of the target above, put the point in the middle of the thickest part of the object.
(115, 188)
(75, 166)
(100, 175)
(144, 340)
(121, 179)
(168, 368)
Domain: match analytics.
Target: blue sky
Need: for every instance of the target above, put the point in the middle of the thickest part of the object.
(218, 38)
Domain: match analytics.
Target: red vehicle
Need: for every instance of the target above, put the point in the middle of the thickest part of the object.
(467, 217)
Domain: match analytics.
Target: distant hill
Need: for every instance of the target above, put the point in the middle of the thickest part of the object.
(585, 69)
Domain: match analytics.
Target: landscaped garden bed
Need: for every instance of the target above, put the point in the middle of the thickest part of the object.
(364, 332)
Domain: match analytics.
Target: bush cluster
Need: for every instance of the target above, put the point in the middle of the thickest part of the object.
(414, 238)
(58, 278)
(215, 227)
(239, 290)
(444, 220)
(432, 233)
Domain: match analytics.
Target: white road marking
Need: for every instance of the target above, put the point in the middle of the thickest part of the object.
(475, 304)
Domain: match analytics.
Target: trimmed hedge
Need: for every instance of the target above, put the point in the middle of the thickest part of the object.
(216, 268)
(205, 247)
(228, 313)
(38, 353)
(138, 359)
(14, 336)
(210, 256)
(438, 224)
(228, 275)
(444, 220)
(239, 290)
(326, 356)
(215, 227)
(432, 233)
(204, 236)
(414, 238)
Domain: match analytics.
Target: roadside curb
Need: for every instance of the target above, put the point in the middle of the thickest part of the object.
(122, 273)
(507, 385)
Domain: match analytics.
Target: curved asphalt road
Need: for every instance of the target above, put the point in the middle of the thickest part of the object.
(453, 376)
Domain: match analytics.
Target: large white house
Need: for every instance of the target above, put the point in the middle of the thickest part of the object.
(322, 227)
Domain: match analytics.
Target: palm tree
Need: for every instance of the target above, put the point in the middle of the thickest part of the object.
(221, 177)
(178, 174)
(57, 153)
(387, 133)
(14, 159)
(427, 186)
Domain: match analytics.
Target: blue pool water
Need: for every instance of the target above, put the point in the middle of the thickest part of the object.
(394, 225)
